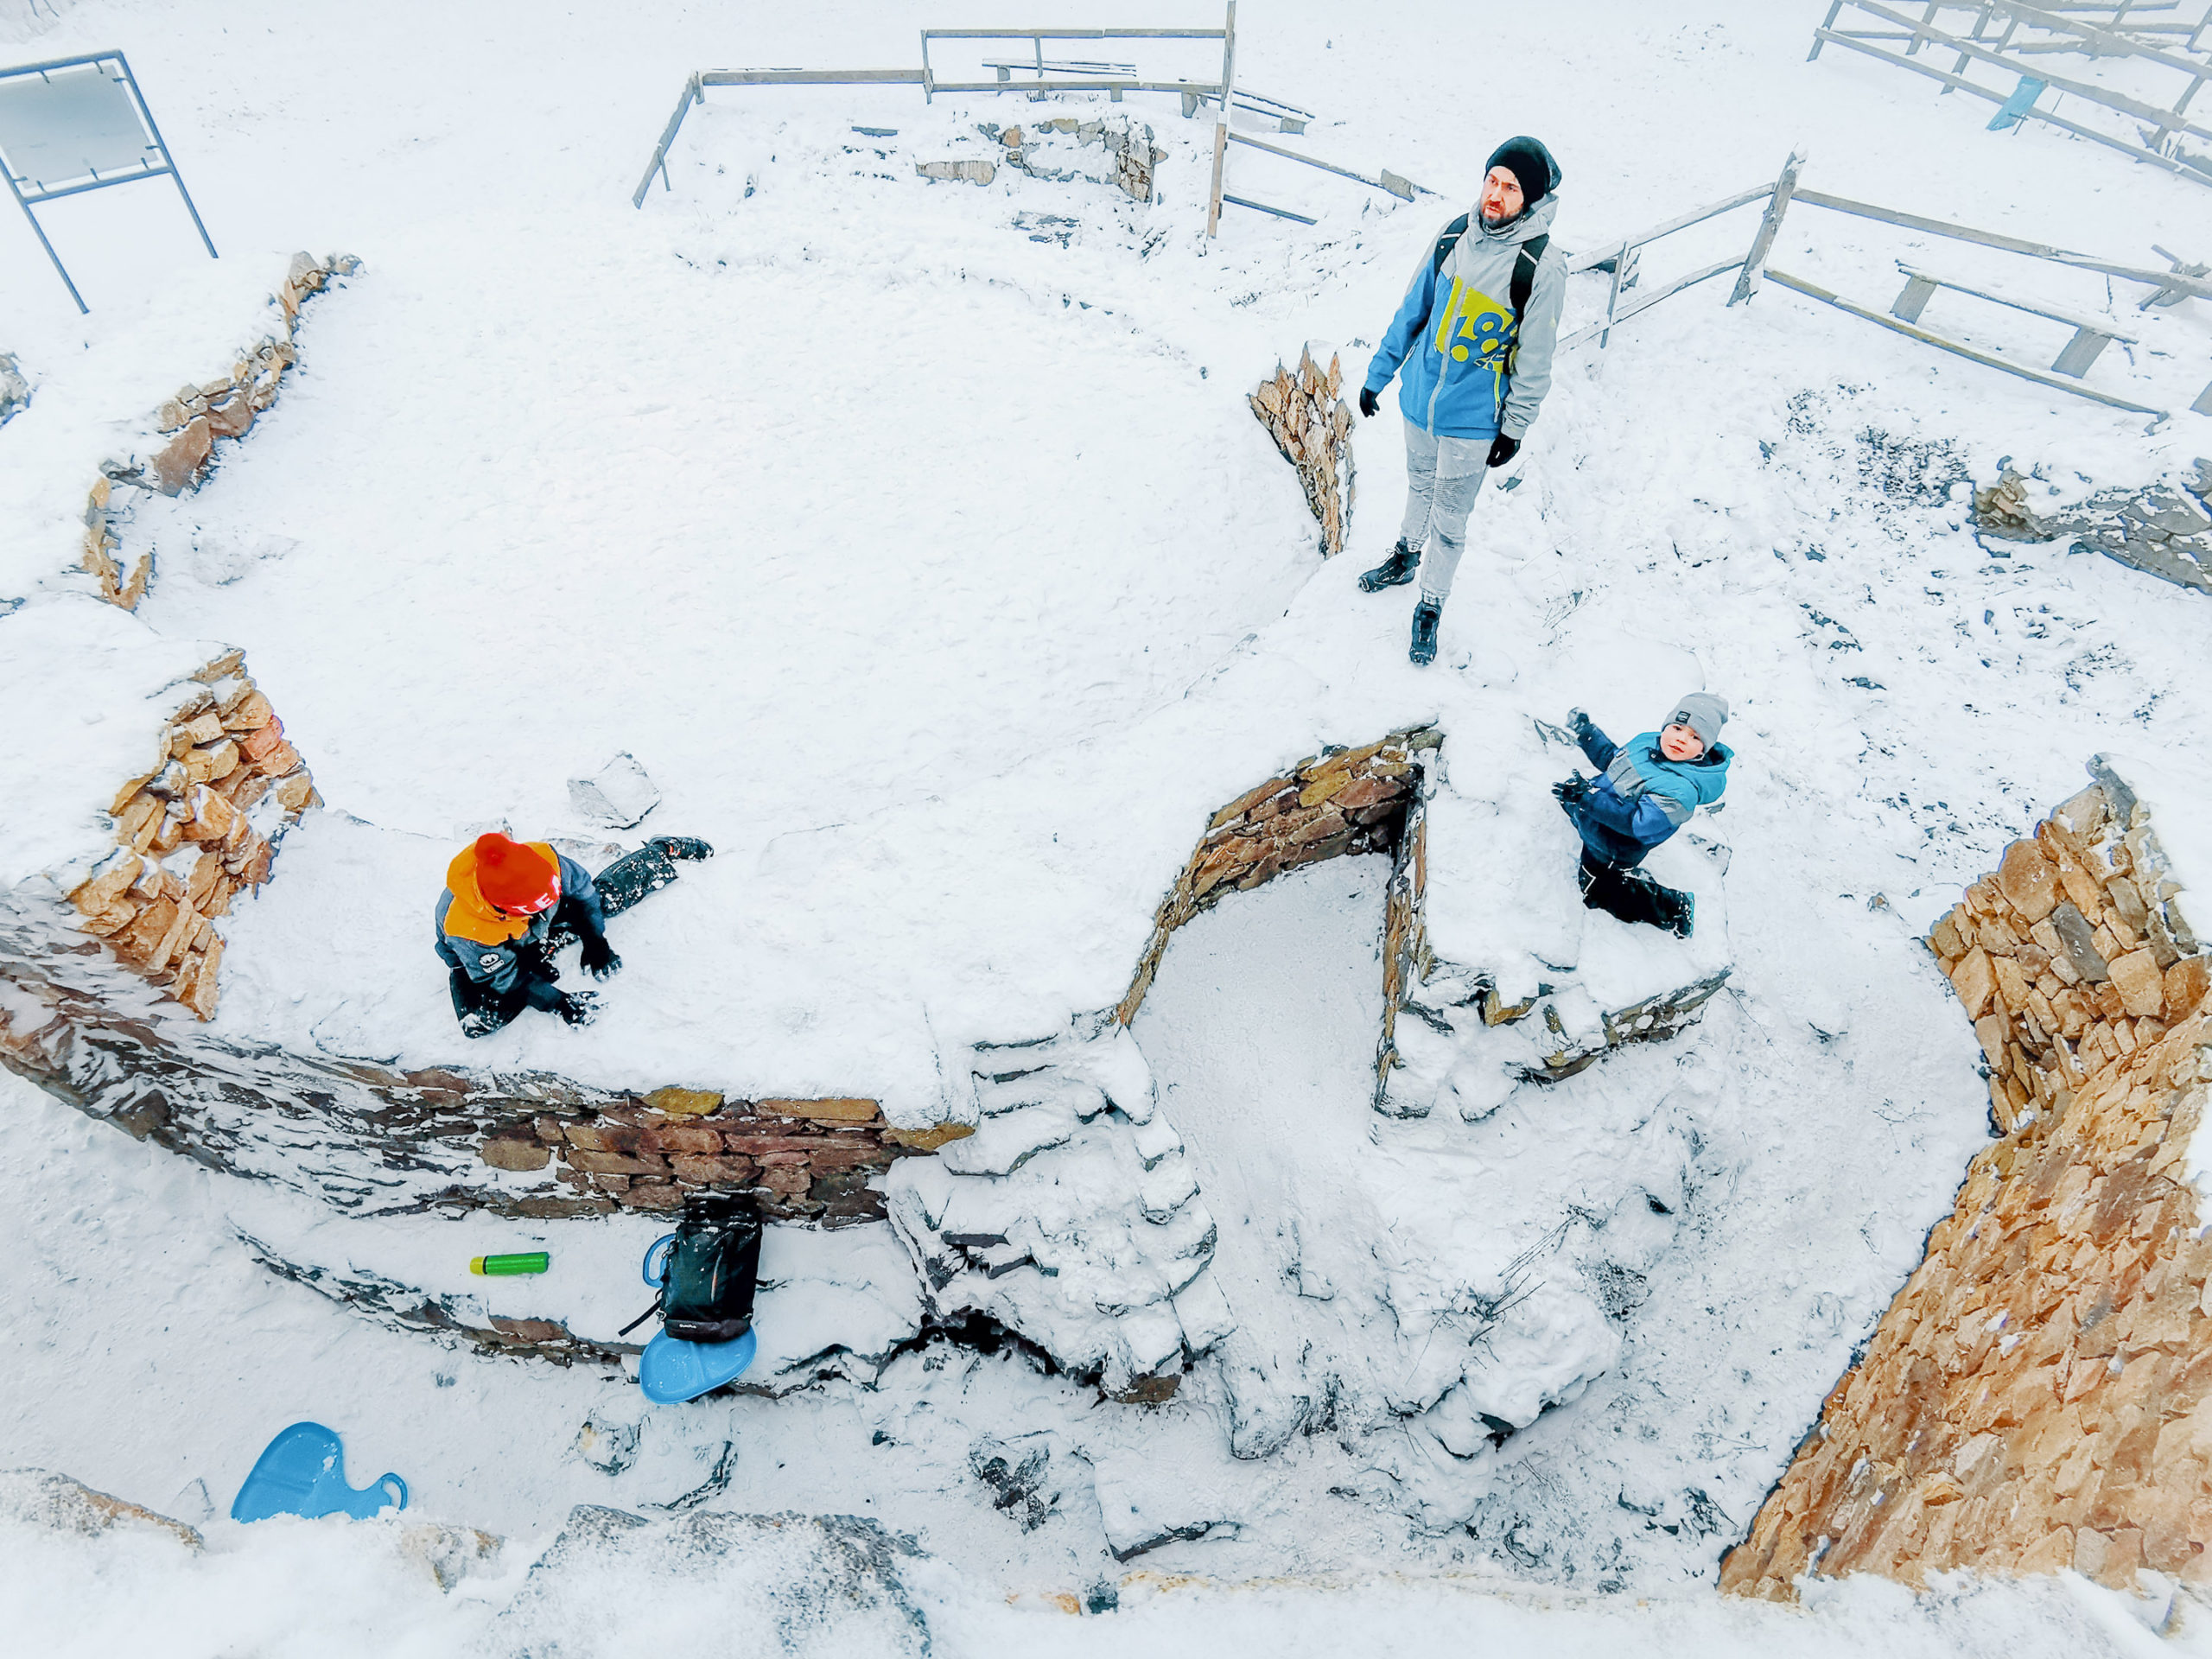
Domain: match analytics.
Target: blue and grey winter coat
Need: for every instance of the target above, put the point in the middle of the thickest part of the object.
(1644, 796)
(496, 966)
(1467, 367)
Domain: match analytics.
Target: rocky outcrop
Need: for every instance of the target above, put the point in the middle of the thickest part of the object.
(812, 1585)
(15, 390)
(37, 1498)
(2039, 1395)
(2162, 530)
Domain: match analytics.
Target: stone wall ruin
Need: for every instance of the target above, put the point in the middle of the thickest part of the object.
(2039, 1396)
(192, 831)
(1341, 801)
(188, 426)
(1311, 425)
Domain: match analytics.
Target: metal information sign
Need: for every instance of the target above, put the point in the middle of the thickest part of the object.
(73, 124)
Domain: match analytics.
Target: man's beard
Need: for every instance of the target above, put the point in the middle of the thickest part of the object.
(1499, 224)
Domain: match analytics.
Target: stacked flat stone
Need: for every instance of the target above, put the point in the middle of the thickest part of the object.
(191, 422)
(2039, 1396)
(802, 1159)
(1311, 425)
(186, 844)
(2063, 955)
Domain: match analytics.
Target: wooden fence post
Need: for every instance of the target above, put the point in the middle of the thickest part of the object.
(1747, 280)
(1221, 128)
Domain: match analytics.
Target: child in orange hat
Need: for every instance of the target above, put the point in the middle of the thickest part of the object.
(503, 903)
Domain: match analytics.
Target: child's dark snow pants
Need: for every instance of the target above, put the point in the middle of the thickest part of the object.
(1625, 892)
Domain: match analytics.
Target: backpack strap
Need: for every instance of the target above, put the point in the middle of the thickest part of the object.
(1525, 273)
(1446, 242)
(1523, 284)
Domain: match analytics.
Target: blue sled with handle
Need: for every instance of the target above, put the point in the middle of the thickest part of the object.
(303, 1473)
(671, 1371)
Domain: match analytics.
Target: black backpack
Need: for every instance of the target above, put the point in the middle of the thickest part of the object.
(710, 1269)
(1525, 273)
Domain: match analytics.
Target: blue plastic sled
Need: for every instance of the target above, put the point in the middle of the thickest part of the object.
(671, 1372)
(303, 1473)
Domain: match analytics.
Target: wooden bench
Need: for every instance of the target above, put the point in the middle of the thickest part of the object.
(1288, 118)
(2091, 334)
(1040, 67)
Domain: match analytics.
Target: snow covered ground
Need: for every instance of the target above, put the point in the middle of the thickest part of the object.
(153, 1356)
(917, 539)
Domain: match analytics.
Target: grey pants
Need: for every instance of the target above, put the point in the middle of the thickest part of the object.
(1443, 477)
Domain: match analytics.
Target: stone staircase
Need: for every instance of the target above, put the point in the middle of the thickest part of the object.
(1071, 1216)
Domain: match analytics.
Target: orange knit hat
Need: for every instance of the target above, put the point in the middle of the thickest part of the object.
(514, 877)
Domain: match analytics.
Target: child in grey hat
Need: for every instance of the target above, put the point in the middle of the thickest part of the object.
(1649, 788)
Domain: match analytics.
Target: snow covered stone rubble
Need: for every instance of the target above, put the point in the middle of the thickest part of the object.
(1071, 1215)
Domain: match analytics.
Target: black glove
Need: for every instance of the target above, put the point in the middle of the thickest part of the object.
(598, 960)
(1580, 724)
(1570, 792)
(1367, 403)
(1503, 450)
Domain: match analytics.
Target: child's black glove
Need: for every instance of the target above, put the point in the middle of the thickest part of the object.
(1570, 792)
(1368, 405)
(1503, 450)
(599, 958)
(1580, 724)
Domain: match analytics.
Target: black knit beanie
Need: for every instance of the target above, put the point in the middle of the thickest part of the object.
(1530, 163)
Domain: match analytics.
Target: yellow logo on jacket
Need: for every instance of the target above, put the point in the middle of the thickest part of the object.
(1474, 325)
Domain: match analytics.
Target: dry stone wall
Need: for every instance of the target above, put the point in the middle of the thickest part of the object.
(192, 831)
(370, 1139)
(1311, 425)
(188, 426)
(802, 1159)
(1339, 802)
(2039, 1396)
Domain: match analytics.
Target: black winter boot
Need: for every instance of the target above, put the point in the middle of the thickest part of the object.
(1681, 911)
(1399, 567)
(1427, 615)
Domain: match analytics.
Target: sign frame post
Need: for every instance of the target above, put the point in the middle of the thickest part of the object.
(92, 181)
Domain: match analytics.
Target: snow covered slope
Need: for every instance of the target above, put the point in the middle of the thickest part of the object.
(917, 539)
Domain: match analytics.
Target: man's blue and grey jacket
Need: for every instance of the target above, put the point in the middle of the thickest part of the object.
(1643, 797)
(1467, 367)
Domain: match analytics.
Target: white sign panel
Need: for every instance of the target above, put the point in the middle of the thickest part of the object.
(72, 126)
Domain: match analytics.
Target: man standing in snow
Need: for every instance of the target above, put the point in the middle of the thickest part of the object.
(1474, 336)
(1650, 786)
(504, 902)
